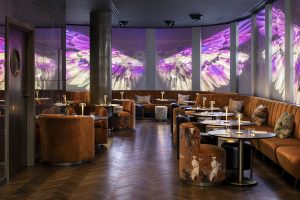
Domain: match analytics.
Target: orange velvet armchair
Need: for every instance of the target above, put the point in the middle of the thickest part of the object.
(126, 118)
(66, 140)
(101, 126)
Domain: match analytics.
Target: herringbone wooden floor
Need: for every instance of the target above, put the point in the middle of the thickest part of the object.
(138, 165)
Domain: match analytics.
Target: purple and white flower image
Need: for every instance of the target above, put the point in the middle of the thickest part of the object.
(176, 70)
(125, 71)
(2, 61)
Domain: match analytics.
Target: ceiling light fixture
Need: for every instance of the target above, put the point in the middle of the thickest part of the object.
(196, 16)
(170, 23)
(123, 23)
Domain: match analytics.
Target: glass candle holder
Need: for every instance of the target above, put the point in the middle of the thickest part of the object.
(203, 101)
(82, 105)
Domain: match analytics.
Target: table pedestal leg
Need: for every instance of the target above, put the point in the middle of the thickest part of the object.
(242, 181)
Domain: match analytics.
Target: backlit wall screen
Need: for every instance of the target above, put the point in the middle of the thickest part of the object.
(260, 53)
(128, 58)
(278, 50)
(296, 24)
(215, 58)
(77, 58)
(174, 59)
(2, 59)
(47, 55)
(244, 53)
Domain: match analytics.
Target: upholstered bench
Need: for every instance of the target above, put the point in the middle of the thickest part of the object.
(161, 113)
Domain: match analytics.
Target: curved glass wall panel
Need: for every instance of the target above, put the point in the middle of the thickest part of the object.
(261, 61)
(77, 58)
(215, 58)
(296, 26)
(128, 58)
(174, 59)
(278, 50)
(244, 53)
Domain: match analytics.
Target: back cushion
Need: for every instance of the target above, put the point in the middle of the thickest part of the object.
(142, 99)
(183, 98)
(126, 106)
(235, 106)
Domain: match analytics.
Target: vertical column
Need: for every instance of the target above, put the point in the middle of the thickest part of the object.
(150, 59)
(233, 57)
(253, 56)
(268, 56)
(289, 60)
(196, 58)
(100, 56)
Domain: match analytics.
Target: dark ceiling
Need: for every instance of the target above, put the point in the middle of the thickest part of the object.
(152, 13)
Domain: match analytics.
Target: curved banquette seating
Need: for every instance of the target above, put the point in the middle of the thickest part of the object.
(277, 149)
(199, 164)
(66, 140)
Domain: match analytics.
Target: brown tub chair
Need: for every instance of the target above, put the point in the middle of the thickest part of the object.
(199, 164)
(126, 118)
(66, 140)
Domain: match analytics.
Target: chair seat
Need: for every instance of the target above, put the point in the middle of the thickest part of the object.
(289, 158)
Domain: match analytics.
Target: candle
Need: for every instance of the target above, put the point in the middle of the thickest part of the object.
(162, 95)
(82, 105)
(122, 93)
(105, 98)
(203, 100)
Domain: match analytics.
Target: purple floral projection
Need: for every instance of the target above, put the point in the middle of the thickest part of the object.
(46, 66)
(126, 71)
(215, 61)
(2, 57)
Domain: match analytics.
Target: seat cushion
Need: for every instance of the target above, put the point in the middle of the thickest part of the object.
(260, 115)
(289, 159)
(269, 146)
(284, 125)
(124, 114)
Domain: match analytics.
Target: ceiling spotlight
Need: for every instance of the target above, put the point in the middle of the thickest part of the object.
(123, 23)
(170, 23)
(196, 16)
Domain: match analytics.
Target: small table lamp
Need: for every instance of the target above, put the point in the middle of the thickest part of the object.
(203, 101)
(65, 99)
(226, 113)
(105, 99)
(82, 105)
(122, 94)
(162, 95)
(212, 105)
(37, 94)
(239, 116)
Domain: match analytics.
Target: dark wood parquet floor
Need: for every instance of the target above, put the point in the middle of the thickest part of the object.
(138, 165)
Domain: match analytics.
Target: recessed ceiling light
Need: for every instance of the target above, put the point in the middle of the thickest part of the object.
(123, 23)
(196, 16)
(170, 23)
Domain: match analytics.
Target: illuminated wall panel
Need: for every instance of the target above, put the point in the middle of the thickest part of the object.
(296, 22)
(215, 60)
(128, 58)
(244, 53)
(77, 58)
(260, 53)
(2, 59)
(278, 50)
(174, 59)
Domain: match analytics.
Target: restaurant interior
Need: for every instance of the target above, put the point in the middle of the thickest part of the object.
(116, 99)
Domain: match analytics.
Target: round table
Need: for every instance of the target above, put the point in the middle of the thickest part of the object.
(244, 135)
(228, 123)
(198, 109)
(212, 114)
